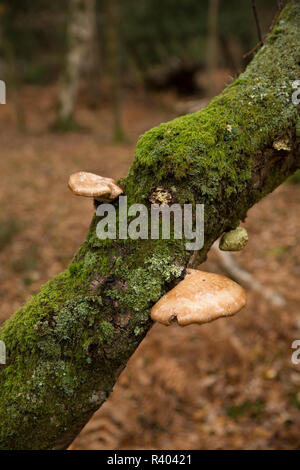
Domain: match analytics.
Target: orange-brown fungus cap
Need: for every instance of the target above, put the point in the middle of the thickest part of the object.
(200, 298)
(91, 185)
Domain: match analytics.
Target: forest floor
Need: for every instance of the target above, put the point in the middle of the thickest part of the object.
(226, 385)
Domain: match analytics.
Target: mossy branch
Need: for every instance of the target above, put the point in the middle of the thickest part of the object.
(67, 346)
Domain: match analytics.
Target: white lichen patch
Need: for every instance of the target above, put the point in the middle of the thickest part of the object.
(97, 397)
(282, 144)
(160, 196)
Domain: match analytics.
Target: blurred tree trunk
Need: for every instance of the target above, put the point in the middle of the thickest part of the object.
(80, 35)
(67, 346)
(93, 65)
(15, 86)
(113, 57)
(212, 45)
(11, 72)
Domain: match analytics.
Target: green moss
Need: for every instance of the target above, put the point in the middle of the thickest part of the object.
(144, 284)
(298, 128)
(211, 152)
(295, 178)
(107, 331)
(67, 345)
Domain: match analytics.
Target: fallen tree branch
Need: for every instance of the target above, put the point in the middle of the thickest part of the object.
(243, 277)
(67, 346)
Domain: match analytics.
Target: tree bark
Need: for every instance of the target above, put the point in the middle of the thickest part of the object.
(67, 346)
(80, 36)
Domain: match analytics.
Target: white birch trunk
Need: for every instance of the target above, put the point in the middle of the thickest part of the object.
(80, 35)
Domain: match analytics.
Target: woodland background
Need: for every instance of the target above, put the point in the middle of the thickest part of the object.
(230, 384)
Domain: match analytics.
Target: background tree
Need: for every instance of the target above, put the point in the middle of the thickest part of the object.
(10, 69)
(81, 33)
(212, 44)
(67, 346)
(113, 58)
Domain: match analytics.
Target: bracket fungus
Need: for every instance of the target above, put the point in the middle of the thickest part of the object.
(100, 188)
(200, 298)
(234, 240)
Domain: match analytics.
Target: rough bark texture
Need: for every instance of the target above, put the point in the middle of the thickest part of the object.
(80, 36)
(67, 346)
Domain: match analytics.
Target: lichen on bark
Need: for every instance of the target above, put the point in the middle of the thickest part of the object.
(67, 345)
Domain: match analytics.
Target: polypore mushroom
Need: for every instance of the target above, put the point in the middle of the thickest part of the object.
(100, 188)
(234, 240)
(200, 298)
